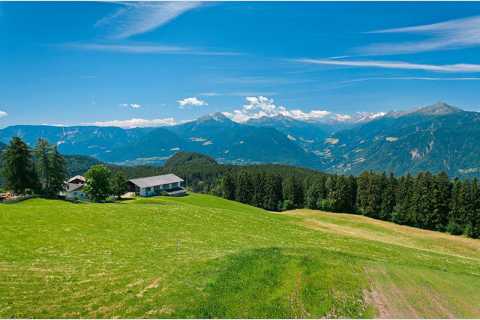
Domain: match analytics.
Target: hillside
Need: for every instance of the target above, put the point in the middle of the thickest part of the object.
(434, 138)
(201, 256)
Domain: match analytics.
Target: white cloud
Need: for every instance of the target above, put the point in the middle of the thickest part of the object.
(451, 34)
(135, 123)
(460, 68)
(134, 18)
(260, 106)
(3, 114)
(131, 105)
(192, 101)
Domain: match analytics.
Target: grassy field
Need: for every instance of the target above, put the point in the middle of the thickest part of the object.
(201, 256)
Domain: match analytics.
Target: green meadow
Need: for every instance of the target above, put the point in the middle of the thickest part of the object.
(203, 257)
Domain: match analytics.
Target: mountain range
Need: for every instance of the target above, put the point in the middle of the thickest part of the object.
(434, 138)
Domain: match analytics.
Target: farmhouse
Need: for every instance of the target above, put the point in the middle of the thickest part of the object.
(74, 189)
(152, 186)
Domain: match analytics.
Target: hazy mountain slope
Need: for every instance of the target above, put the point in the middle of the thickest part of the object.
(435, 138)
(228, 141)
(152, 147)
(86, 140)
(307, 134)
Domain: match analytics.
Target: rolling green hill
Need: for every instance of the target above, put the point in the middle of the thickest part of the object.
(201, 256)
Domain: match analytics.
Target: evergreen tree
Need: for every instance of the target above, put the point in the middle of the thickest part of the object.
(258, 197)
(313, 194)
(363, 182)
(458, 210)
(341, 195)
(42, 164)
(388, 197)
(228, 186)
(18, 168)
(244, 187)
(97, 185)
(273, 192)
(473, 224)
(441, 197)
(58, 173)
(403, 200)
(422, 207)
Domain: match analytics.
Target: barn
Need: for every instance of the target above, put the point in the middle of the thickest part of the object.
(168, 184)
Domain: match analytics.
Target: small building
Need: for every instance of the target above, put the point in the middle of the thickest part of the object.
(168, 184)
(77, 180)
(74, 189)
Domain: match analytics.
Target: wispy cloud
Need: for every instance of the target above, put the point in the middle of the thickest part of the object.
(134, 123)
(192, 101)
(134, 18)
(460, 68)
(140, 48)
(131, 105)
(451, 34)
(413, 78)
(3, 114)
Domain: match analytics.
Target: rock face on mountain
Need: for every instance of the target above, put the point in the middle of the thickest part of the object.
(434, 138)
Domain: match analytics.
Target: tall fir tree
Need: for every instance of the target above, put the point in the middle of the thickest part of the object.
(388, 197)
(43, 166)
(441, 197)
(244, 187)
(18, 167)
(228, 186)
(403, 200)
(273, 192)
(458, 210)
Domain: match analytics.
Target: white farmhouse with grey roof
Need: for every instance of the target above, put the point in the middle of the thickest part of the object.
(156, 185)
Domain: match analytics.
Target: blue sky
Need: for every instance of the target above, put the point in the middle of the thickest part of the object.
(134, 64)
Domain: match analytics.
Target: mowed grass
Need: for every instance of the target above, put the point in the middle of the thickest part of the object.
(201, 256)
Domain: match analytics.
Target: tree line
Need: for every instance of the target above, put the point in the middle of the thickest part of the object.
(38, 171)
(425, 201)
(43, 171)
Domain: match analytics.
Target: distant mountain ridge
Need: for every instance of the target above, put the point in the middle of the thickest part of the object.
(439, 137)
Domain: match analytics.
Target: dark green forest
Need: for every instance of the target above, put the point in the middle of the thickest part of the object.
(425, 201)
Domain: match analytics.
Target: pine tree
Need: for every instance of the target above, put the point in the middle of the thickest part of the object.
(18, 169)
(244, 187)
(273, 192)
(441, 197)
(363, 182)
(403, 200)
(388, 197)
(58, 173)
(258, 189)
(42, 164)
(313, 194)
(375, 189)
(458, 211)
(228, 186)
(473, 224)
